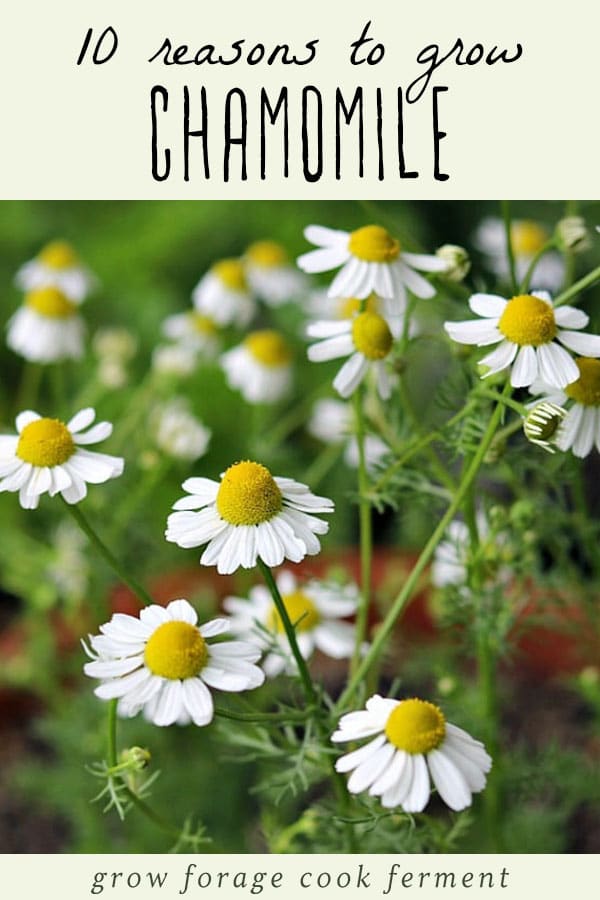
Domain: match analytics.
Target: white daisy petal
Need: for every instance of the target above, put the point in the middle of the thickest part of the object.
(182, 611)
(425, 262)
(584, 344)
(525, 368)
(354, 759)
(418, 792)
(474, 331)
(586, 433)
(215, 627)
(394, 795)
(81, 420)
(500, 358)
(451, 784)
(350, 375)
(570, 317)
(370, 769)
(491, 306)
(556, 366)
(25, 418)
(416, 283)
(198, 701)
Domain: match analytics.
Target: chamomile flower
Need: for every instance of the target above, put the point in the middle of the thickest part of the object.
(271, 275)
(57, 266)
(411, 743)
(366, 339)
(114, 347)
(178, 360)
(580, 428)
(164, 664)
(260, 367)
(372, 260)
(47, 327)
(249, 514)
(315, 609)
(223, 294)
(178, 433)
(527, 239)
(49, 456)
(194, 330)
(453, 555)
(527, 329)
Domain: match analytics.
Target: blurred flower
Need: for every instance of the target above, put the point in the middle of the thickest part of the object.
(315, 609)
(223, 294)
(372, 261)
(542, 423)
(412, 742)
(580, 428)
(260, 367)
(174, 359)
(572, 234)
(47, 456)
(177, 432)
(46, 328)
(70, 567)
(331, 422)
(525, 327)
(57, 265)
(271, 275)
(457, 261)
(527, 239)
(452, 557)
(367, 340)
(162, 663)
(114, 347)
(247, 515)
(194, 330)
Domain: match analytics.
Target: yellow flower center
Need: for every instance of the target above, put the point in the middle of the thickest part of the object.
(586, 390)
(374, 244)
(268, 347)
(45, 442)
(349, 306)
(416, 726)
(203, 324)
(528, 320)
(248, 494)
(303, 613)
(176, 650)
(267, 254)
(371, 335)
(231, 273)
(51, 302)
(527, 237)
(58, 255)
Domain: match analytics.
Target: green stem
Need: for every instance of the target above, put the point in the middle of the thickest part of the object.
(267, 718)
(405, 594)
(309, 690)
(499, 398)
(107, 554)
(366, 534)
(136, 496)
(506, 217)
(27, 395)
(322, 464)
(581, 285)
(57, 376)
(112, 734)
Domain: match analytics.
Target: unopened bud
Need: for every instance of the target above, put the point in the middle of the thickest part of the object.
(457, 261)
(572, 234)
(542, 423)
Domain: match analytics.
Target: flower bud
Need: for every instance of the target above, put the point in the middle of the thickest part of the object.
(542, 423)
(572, 234)
(135, 758)
(457, 262)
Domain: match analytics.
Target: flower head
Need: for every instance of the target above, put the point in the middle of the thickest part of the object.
(527, 239)
(178, 360)
(178, 432)
(528, 329)
(271, 275)
(195, 330)
(371, 260)
(49, 456)
(411, 741)
(249, 514)
(47, 327)
(580, 427)
(260, 367)
(164, 663)
(223, 294)
(541, 425)
(57, 266)
(315, 609)
(367, 339)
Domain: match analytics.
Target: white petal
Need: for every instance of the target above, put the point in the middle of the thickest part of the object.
(322, 260)
(570, 317)
(451, 784)
(326, 237)
(205, 489)
(353, 759)
(25, 418)
(169, 703)
(350, 375)
(584, 344)
(500, 358)
(556, 366)
(268, 545)
(119, 687)
(390, 776)
(415, 282)
(370, 769)
(198, 701)
(335, 639)
(81, 420)
(525, 368)
(474, 331)
(470, 770)
(182, 611)
(215, 627)
(418, 793)
(570, 427)
(490, 306)
(395, 794)
(332, 348)
(112, 668)
(327, 329)
(97, 433)
(425, 262)
(586, 433)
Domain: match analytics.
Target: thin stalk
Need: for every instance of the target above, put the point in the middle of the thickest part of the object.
(266, 718)
(31, 377)
(406, 593)
(107, 554)
(307, 684)
(506, 217)
(366, 533)
(549, 245)
(322, 464)
(581, 285)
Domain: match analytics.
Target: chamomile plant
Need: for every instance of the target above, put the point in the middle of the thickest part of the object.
(324, 511)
